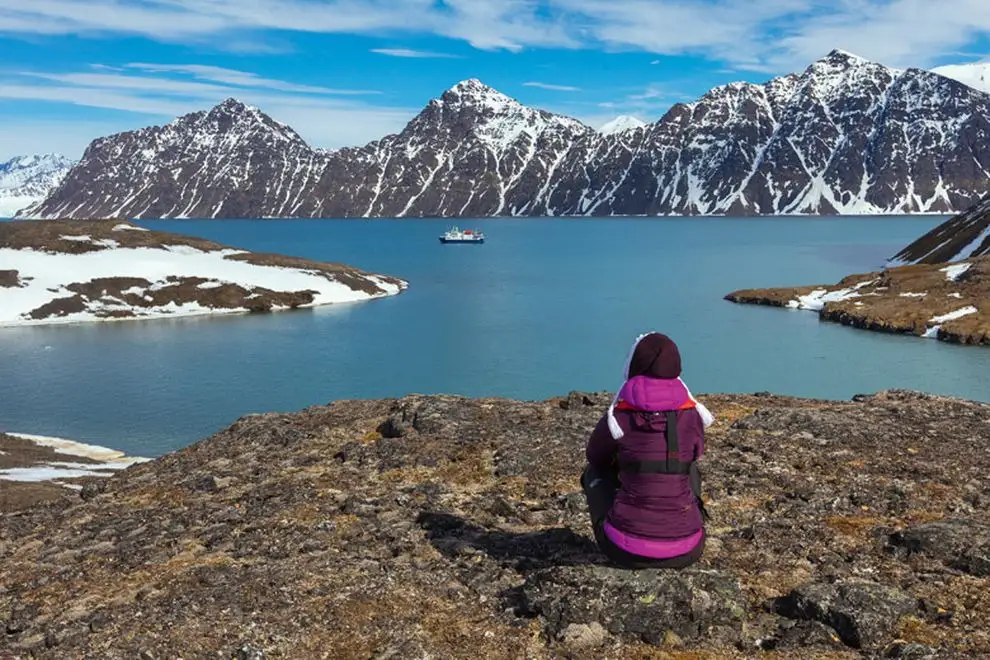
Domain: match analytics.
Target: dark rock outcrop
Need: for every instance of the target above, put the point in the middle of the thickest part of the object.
(960, 544)
(863, 614)
(658, 607)
(465, 535)
(844, 136)
(9, 278)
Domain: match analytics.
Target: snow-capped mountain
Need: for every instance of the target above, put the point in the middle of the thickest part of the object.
(976, 75)
(845, 136)
(960, 237)
(620, 124)
(26, 180)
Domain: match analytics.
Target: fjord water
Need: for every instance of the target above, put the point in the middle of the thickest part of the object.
(543, 307)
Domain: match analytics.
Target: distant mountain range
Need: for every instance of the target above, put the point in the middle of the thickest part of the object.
(844, 136)
(27, 180)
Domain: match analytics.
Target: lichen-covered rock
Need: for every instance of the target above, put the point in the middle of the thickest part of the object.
(912, 651)
(802, 635)
(692, 604)
(583, 636)
(960, 544)
(862, 613)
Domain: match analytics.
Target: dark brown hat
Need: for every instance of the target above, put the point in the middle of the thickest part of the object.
(656, 356)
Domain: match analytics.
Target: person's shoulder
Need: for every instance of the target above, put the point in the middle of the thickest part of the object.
(693, 416)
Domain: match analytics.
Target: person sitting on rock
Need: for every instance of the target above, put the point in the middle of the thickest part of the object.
(642, 483)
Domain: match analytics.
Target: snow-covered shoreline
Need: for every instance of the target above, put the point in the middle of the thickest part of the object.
(934, 301)
(96, 461)
(118, 273)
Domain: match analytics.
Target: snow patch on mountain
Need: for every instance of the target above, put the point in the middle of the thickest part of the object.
(976, 74)
(26, 180)
(621, 124)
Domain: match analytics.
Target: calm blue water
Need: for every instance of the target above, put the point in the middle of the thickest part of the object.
(546, 306)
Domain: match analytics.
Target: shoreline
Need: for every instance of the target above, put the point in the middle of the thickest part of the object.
(36, 468)
(946, 302)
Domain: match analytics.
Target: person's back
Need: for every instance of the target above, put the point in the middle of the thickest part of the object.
(642, 481)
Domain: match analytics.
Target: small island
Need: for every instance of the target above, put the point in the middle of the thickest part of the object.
(948, 302)
(79, 271)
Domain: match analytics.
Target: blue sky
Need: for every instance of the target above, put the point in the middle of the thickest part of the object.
(343, 72)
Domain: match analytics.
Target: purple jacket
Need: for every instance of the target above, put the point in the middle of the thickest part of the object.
(651, 506)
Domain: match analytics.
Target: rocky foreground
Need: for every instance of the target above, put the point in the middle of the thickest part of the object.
(81, 271)
(443, 527)
(948, 302)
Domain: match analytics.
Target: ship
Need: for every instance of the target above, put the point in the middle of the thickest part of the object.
(455, 235)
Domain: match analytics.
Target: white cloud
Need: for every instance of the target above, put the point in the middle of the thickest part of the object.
(242, 78)
(555, 88)
(320, 115)
(413, 54)
(771, 35)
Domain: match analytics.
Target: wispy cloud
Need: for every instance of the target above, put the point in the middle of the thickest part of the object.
(413, 54)
(647, 104)
(555, 88)
(241, 78)
(652, 91)
(772, 35)
(324, 116)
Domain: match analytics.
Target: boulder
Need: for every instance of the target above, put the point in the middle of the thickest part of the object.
(583, 636)
(651, 605)
(960, 544)
(910, 651)
(794, 635)
(864, 614)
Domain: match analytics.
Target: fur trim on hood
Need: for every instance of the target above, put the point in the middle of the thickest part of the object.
(613, 424)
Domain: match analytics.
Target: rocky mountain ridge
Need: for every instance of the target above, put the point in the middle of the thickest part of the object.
(27, 180)
(439, 526)
(845, 136)
(963, 236)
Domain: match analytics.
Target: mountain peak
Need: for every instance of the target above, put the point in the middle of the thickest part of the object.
(475, 96)
(471, 85)
(840, 54)
(232, 105)
(621, 124)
